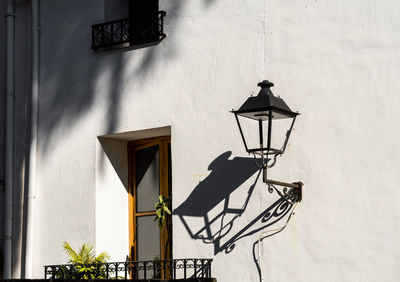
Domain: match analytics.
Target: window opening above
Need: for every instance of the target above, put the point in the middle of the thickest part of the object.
(129, 23)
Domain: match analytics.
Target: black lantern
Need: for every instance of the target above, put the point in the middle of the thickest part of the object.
(271, 117)
(264, 112)
(264, 109)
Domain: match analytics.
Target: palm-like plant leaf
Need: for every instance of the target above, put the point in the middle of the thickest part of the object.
(72, 255)
(162, 210)
(86, 253)
(102, 257)
(84, 261)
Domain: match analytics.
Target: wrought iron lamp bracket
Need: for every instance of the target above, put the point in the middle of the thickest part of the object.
(291, 192)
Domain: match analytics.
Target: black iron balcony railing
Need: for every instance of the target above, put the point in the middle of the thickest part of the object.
(157, 269)
(131, 31)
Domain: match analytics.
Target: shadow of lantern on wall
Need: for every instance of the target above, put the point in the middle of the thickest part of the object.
(272, 120)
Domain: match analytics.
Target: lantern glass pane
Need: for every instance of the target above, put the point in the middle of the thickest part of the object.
(250, 129)
(279, 130)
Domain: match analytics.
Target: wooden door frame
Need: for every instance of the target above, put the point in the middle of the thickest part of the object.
(134, 146)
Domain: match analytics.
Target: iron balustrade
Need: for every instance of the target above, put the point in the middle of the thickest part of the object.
(156, 269)
(131, 31)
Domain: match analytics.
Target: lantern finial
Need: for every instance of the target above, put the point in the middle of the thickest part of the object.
(265, 83)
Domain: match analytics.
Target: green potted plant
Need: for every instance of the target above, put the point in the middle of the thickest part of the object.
(163, 217)
(86, 265)
(163, 211)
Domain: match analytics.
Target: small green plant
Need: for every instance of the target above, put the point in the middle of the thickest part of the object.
(163, 216)
(86, 265)
(162, 210)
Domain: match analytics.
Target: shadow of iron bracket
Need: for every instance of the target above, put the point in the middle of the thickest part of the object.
(297, 187)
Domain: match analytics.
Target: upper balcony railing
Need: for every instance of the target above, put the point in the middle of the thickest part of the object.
(157, 269)
(129, 31)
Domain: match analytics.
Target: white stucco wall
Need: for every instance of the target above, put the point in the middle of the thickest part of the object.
(334, 61)
(111, 200)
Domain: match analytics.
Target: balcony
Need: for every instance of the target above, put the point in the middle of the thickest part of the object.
(173, 270)
(129, 31)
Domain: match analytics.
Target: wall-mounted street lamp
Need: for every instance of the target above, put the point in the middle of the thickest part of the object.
(273, 120)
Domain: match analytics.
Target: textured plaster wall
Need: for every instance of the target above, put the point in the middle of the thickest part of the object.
(65, 189)
(334, 61)
(112, 198)
(346, 59)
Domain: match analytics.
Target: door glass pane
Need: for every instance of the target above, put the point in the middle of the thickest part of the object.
(147, 178)
(148, 238)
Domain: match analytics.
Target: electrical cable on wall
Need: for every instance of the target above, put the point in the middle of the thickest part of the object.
(275, 230)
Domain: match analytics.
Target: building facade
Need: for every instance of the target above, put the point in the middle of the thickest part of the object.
(114, 114)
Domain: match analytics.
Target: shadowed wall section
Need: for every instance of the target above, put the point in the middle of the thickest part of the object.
(225, 177)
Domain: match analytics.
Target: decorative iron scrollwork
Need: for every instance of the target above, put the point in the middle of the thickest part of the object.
(292, 192)
(131, 31)
(160, 269)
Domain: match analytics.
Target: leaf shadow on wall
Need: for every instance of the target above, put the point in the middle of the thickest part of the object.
(225, 177)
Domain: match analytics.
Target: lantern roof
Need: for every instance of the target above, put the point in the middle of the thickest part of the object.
(258, 107)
